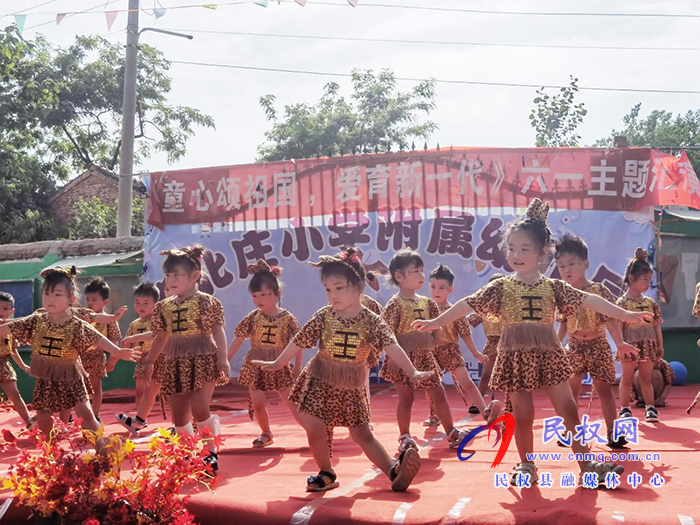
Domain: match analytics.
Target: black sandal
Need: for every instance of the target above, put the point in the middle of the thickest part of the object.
(403, 472)
(321, 482)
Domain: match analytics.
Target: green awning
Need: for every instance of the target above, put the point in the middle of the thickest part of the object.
(100, 260)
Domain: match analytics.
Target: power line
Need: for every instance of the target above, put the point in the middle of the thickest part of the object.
(440, 81)
(436, 42)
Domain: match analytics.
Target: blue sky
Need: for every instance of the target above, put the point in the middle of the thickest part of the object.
(466, 115)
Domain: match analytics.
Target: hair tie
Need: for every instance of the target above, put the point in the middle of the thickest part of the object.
(68, 272)
(177, 252)
(343, 258)
(538, 210)
(262, 266)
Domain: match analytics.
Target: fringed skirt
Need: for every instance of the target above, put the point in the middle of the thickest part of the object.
(333, 391)
(254, 376)
(95, 363)
(491, 348)
(56, 396)
(449, 357)
(643, 338)
(529, 357)
(419, 348)
(157, 367)
(7, 373)
(190, 363)
(593, 356)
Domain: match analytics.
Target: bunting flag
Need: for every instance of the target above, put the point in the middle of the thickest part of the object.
(261, 3)
(353, 3)
(59, 17)
(20, 20)
(159, 11)
(210, 6)
(111, 17)
(302, 3)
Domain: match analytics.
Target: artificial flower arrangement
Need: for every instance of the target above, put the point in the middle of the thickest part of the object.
(74, 485)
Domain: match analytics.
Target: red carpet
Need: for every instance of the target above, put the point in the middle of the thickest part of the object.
(267, 485)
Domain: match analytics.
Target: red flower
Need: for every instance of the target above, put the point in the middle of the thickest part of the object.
(8, 436)
(91, 521)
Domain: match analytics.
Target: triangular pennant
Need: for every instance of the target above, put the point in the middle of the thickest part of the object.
(159, 11)
(59, 17)
(20, 20)
(210, 6)
(111, 17)
(353, 2)
(302, 3)
(261, 3)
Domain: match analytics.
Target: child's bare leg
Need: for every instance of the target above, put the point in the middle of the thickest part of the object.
(372, 448)
(565, 407)
(96, 383)
(64, 415)
(607, 403)
(84, 410)
(44, 421)
(149, 399)
(201, 401)
(318, 440)
(472, 393)
(485, 377)
(292, 406)
(10, 388)
(628, 368)
(403, 409)
(141, 386)
(181, 409)
(437, 394)
(259, 401)
(575, 384)
(524, 415)
(645, 371)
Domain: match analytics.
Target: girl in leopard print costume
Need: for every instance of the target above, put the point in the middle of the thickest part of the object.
(530, 355)
(330, 392)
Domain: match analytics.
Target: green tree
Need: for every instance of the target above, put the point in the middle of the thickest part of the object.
(60, 111)
(94, 220)
(556, 117)
(378, 118)
(660, 129)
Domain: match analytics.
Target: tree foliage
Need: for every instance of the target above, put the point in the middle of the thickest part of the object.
(94, 220)
(660, 129)
(556, 117)
(60, 112)
(377, 118)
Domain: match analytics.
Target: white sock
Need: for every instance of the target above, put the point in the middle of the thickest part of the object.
(187, 429)
(215, 426)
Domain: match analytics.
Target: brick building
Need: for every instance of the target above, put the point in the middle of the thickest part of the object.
(95, 182)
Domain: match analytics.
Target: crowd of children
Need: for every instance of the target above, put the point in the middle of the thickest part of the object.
(181, 353)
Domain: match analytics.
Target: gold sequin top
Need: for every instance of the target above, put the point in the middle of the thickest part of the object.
(400, 312)
(57, 342)
(696, 304)
(587, 320)
(492, 325)
(517, 303)
(268, 332)
(453, 331)
(345, 340)
(372, 305)
(643, 304)
(140, 326)
(196, 315)
(6, 345)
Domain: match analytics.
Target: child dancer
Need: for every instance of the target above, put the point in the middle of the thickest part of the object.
(447, 352)
(588, 349)
(94, 361)
(646, 337)
(406, 272)
(8, 348)
(331, 390)
(270, 328)
(146, 296)
(57, 338)
(189, 328)
(530, 356)
(662, 377)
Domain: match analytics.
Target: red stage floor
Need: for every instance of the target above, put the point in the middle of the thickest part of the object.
(267, 485)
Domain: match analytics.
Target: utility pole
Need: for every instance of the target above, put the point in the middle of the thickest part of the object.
(126, 163)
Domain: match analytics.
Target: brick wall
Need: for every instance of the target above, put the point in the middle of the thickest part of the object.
(90, 184)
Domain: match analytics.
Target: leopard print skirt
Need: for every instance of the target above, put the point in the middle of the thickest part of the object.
(95, 363)
(268, 381)
(7, 373)
(56, 396)
(594, 356)
(419, 349)
(648, 350)
(157, 367)
(528, 368)
(187, 373)
(337, 407)
(449, 357)
(491, 348)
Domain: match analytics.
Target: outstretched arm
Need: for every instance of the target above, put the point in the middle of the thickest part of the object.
(457, 310)
(600, 305)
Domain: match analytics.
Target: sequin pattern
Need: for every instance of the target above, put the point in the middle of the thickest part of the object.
(196, 315)
(587, 320)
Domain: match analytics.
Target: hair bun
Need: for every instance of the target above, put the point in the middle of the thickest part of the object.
(538, 210)
(68, 272)
(262, 266)
(640, 254)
